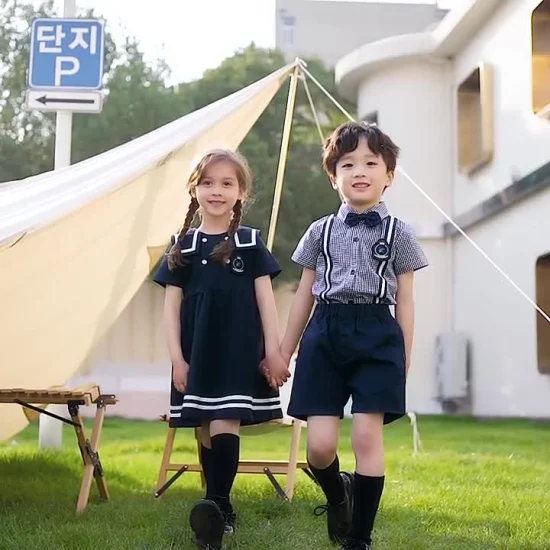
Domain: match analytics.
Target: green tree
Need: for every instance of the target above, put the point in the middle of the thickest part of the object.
(25, 137)
(137, 99)
(307, 193)
(137, 102)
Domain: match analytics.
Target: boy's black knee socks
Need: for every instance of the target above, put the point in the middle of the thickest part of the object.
(367, 493)
(224, 461)
(330, 481)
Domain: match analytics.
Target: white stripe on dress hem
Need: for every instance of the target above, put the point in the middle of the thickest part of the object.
(246, 398)
(248, 406)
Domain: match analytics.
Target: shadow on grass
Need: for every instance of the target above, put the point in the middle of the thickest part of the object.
(38, 506)
(47, 479)
(51, 483)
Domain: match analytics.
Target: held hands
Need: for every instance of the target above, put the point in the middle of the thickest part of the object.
(180, 370)
(275, 369)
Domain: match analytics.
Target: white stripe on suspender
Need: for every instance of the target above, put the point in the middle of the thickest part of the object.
(389, 236)
(325, 240)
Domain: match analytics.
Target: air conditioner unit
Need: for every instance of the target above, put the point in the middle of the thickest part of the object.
(452, 366)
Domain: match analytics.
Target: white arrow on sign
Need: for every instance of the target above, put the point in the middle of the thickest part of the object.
(69, 100)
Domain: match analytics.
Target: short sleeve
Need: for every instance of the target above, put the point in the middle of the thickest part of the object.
(265, 263)
(308, 249)
(409, 255)
(165, 276)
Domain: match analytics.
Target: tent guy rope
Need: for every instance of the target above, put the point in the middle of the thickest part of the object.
(435, 205)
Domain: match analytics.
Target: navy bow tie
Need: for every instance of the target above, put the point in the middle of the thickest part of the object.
(370, 219)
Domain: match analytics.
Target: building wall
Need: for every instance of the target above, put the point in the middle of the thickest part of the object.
(416, 103)
(329, 30)
(137, 337)
(499, 321)
(418, 93)
(521, 138)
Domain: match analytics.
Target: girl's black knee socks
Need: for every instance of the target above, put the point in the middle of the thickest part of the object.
(224, 461)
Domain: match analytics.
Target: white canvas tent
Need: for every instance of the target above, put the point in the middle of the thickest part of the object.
(76, 244)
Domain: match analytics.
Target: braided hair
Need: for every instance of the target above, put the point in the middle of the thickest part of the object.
(223, 251)
(174, 254)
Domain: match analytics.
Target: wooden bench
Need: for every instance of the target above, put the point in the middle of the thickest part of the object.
(87, 395)
(268, 467)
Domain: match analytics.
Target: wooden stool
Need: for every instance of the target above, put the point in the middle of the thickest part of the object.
(268, 467)
(84, 395)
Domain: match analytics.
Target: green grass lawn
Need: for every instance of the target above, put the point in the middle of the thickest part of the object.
(476, 485)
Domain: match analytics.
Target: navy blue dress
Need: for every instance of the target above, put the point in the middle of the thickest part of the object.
(221, 331)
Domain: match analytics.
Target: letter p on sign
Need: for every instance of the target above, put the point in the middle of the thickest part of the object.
(72, 66)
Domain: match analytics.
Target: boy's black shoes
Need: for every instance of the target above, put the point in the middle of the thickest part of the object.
(356, 545)
(208, 524)
(339, 515)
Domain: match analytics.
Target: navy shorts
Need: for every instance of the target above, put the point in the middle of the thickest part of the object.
(348, 350)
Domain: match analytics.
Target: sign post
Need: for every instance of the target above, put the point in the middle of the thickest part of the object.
(66, 76)
(66, 72)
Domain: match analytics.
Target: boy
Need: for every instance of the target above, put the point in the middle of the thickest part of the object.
(356, 264)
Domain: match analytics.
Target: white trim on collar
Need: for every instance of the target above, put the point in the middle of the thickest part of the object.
(253, 239)
(238, 243)
(194, 241)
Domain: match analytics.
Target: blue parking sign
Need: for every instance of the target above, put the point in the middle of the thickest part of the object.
(66, 54)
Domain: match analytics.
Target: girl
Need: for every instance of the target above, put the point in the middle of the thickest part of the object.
(221, 323)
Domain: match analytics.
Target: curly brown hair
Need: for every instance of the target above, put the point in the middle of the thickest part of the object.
(223, 251)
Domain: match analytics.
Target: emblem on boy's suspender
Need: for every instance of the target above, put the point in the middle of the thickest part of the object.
(381, 250)
(237, 265)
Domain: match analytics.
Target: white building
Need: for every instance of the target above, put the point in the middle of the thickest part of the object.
(326, 29)
(468, 103)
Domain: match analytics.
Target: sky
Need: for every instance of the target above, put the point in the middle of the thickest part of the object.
(173, 29)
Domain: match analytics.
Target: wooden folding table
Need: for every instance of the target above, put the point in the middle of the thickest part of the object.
(31, 399)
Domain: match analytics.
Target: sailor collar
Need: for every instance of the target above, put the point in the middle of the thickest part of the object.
(245, 237)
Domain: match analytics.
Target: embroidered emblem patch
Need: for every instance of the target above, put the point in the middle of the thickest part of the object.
(381, 250)
(237, 265)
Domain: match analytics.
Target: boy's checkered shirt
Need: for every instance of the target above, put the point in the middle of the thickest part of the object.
(349, 268)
